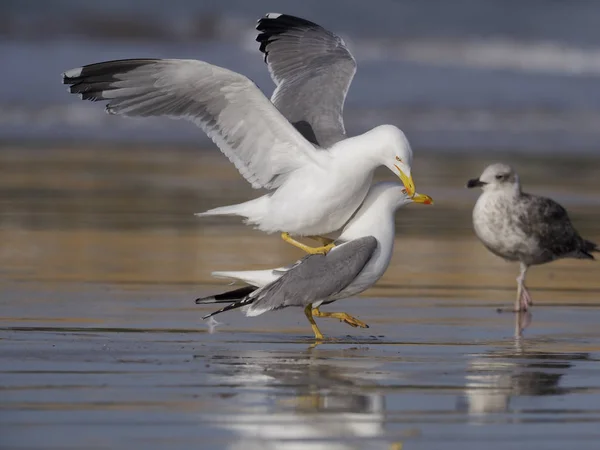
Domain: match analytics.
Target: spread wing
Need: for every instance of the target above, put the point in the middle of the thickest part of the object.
(312, 69)
(230, 108)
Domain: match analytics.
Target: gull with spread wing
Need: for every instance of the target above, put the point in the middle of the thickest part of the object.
(295, 147)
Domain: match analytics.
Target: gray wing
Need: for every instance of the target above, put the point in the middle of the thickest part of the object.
(312, 69)
(315, 278)
(549, 223)
(229, 107)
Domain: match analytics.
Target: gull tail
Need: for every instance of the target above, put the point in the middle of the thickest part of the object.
(235, 305)
(239, 297)
(252, 210)
(226, 297)
(232, 210)
(242, 296)
(587, 247)
(236, 298)
(256, 278)
(246, 299)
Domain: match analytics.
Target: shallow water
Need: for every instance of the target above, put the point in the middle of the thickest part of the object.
(103, 347)
(101, 366)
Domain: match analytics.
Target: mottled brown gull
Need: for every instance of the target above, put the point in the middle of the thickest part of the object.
(522, 227)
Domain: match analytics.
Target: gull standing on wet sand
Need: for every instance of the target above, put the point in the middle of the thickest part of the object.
(359, 258)
(522, 227)
(317, 177)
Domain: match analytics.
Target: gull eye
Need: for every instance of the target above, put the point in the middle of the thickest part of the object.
(398, 159)
(500, 177)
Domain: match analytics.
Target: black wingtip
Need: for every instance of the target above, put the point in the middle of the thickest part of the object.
(93, 80)
(210, 315)
(234, 305)
(281, 22)
(274, 24)
(226, 297)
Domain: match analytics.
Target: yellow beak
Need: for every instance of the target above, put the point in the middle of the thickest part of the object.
(422, 198)
(408, 182)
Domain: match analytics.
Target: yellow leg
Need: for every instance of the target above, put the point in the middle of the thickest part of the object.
(308, 312)
(322, 239)
(343, 317)
(311, 250)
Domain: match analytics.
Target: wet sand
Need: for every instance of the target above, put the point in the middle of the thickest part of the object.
(102, 346)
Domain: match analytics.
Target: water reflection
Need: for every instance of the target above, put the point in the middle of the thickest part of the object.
(493, 379)
(303, 401)
(522, 321)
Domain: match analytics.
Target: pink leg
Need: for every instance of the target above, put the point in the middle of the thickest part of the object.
(522, 321)
(526, 301)
(523, 301)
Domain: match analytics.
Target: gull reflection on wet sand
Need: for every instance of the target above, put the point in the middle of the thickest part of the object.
(323, 404)
(496, 377)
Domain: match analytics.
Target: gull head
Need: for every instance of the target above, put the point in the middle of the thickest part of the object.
(404, 199)
(382, 201)
(398, 155)
(496, 177)
(393, 195)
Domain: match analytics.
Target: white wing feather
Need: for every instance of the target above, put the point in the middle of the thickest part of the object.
(229, 107)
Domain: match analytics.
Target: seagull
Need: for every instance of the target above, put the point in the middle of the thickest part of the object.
(522, 227)
(359, 258)
(315, 183)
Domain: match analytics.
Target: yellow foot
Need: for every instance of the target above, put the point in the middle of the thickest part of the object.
(310, 250)
(343, 317)
(313, 324)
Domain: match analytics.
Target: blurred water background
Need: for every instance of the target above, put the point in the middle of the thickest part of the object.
(466, 74)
